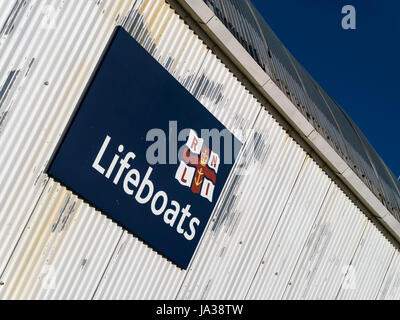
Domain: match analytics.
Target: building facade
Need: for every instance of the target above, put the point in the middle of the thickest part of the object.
(314, 216)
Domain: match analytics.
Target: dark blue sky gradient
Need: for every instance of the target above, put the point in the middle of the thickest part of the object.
(358, 68)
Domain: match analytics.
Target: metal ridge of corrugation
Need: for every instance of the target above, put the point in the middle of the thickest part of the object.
(279, 216)
(234, 243)
(326, 116)
(329, 249)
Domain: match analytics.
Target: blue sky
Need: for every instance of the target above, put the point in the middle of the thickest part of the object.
(359, 68)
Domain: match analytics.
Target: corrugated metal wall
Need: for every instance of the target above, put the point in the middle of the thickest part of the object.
(281, 229)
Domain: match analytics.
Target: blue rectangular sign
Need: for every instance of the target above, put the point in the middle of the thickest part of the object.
(137, 150)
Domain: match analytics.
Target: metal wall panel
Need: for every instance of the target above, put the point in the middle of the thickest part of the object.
(174, 45)
(189, 60)
(53, 245)
(58, 255)
(390, 289)
(42, 98)
(164, 34)
(226, 97)
(327, 253)
(8, 9)
(247, 25)
(361, 281)
(290, 234)
(246, 216)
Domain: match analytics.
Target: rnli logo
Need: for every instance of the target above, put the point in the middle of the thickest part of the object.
(199, 167)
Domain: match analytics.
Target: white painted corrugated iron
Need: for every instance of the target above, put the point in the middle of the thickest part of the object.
(61, 228)
(390, 289)
(248, 27)
(39, 108)
(36, 113)
(183, 62)
(373, 252)
(290, 233)
(135, 271)
(281, 228)
(245, 218)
